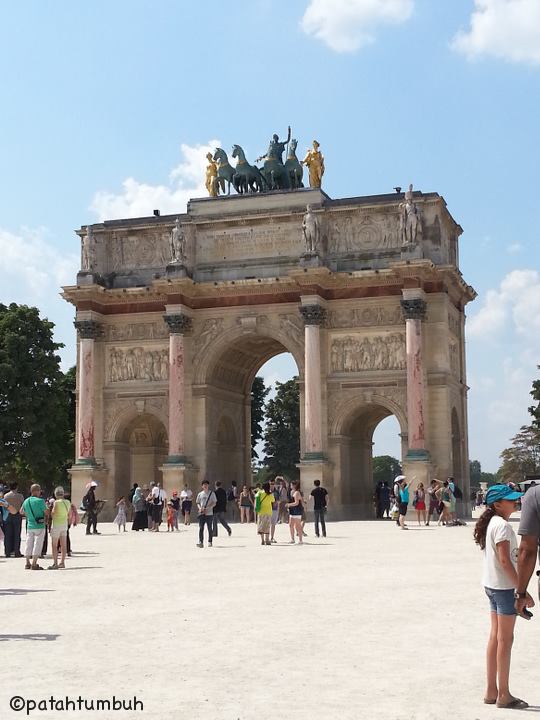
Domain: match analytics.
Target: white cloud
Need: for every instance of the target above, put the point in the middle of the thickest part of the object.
(517, 300)
(31, 267)
(347, 25)
(139, 199)
(507, 29)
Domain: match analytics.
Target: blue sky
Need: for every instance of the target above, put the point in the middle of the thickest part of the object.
(107, 109)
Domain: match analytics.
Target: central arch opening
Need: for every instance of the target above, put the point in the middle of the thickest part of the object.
(228, 390)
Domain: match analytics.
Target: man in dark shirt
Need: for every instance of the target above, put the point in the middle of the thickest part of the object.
(220, 509)
(13, 521)
(90, 505)
(320, 502)
(529, 529)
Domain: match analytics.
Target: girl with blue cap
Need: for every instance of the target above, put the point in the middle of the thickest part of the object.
(496, 537)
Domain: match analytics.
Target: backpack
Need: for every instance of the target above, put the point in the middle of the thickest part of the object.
(230, 495)
(457, 492)
(258, 500)
(84, 502)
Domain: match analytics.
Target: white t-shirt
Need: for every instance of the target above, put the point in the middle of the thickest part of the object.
(494, 576)
(186, 494)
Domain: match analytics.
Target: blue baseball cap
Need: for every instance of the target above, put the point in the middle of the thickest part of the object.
(501, 492)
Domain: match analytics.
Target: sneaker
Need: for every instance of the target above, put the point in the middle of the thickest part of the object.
(273, 541)
(200, 545)
(209, 544)
(230, 533)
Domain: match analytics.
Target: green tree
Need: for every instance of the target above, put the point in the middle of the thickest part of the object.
(258, 396)
(522, 457)
(34, 406)
(385, 468)
(282, 431)
(535, 409)
(475, 472)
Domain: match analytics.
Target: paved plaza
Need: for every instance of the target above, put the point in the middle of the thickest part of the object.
(372, 622)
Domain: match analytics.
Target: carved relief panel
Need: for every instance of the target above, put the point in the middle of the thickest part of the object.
(355, 353)
(138, 363)
(350, 232)
(368, 316)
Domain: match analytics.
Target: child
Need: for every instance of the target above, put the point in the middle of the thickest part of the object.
(496, 537)
(121, 515)
(170, 517)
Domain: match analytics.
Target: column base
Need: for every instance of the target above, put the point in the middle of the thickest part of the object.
(176, 475)
(417, 470)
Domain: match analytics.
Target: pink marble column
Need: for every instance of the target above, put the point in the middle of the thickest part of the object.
(414, 311)
(314, 316)
(178, 325)
(89, 330)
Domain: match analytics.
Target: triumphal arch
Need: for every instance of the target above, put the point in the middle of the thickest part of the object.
(176, 314)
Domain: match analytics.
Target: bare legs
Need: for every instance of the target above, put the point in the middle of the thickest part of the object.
(498, 654)
(295, 524)
(244, 514)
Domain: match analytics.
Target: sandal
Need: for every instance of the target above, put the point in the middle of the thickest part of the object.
(487, 701)
(61, 566)
(36, 567)
(514, 704)
(52, 567)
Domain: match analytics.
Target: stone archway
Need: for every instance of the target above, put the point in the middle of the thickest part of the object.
(224, 399)
(138, 451)
(351, 448)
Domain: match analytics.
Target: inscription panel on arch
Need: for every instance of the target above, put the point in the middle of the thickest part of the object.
(246, 243)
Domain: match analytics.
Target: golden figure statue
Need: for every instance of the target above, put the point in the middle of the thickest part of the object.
(315, 162)
(211, 175)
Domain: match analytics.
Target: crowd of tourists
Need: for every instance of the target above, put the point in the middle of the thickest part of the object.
(437, 502)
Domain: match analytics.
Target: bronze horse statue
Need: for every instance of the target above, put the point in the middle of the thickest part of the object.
(247, 178)
(293, 168)
(225, 171)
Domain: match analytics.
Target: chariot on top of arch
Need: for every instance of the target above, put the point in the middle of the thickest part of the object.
(273, 174)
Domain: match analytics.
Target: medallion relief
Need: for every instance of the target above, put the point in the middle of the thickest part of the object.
(359, 232)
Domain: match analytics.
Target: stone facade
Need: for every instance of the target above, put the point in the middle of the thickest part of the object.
(167, 354)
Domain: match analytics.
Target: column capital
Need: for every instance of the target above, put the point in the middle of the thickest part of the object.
(414, 308)
(178, 323)
(88, 329)
(313, 314)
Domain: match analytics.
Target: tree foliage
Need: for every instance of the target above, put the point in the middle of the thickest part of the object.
(535, 409)
(258, 396)
(478, 476)
(35, 438)
(522, 457)
(385, 468)
(282, 431)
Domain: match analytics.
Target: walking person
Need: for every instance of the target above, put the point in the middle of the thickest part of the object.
(320, 503)
(89, 503)
(296, 509)
(159, 499)
(397, 490)
(34, 508)
(529, 529)
(283, 498)
(265, 502)
(150, 507)
(13, 521)
(220, 510)
(206, 501)
(445, 496)
(245, 503)
(384, 499)
(232, 497)
(419, 503)
(121, 513)
(59, 528)
(496, 537)
(186, 498)
(140, 515)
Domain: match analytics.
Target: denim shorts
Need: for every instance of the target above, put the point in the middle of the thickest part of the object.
(501, 601)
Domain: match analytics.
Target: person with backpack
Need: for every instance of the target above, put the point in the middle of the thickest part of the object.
(34, 508)
(89, 505)
(206, 501)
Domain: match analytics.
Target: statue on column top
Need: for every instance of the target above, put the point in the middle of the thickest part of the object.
(312, 231)
(410, 220)
(178, 244)
(88, 251)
